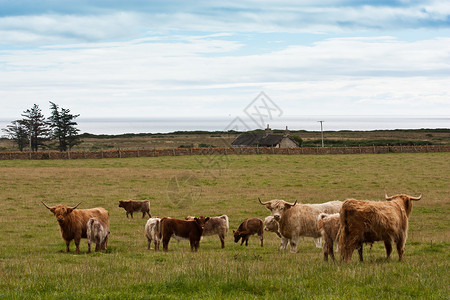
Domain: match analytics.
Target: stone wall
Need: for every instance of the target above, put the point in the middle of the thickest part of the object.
(119, 153)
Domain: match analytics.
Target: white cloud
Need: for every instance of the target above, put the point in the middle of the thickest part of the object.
(201, 75)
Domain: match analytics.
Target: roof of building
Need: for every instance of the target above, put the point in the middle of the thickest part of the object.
(258, 139)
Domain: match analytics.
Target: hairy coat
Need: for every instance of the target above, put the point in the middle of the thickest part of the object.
(136, 205)
(247, 228)
(215, 225)
(73, 222)
(371, 221)
(97, 232)
(296, 220)
(191, 230)
(270, 224)
(152, 232)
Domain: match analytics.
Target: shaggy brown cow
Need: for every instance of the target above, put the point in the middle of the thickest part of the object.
(97, 232)
(215, 225)
(371, 221)
(136, 205)
(73, 222)
(247, 228)
(191, 230)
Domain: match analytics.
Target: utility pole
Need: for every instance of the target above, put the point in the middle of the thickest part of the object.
(321, 130)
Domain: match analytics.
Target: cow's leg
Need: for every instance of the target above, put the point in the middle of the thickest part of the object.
(388, 246)
(77, 245)
(222, 240)
(329, 246)
(156, 245)
(143, 214)
(89, 246)
(246, 240)
(360, 252)
(261, 237)
(149, 215)
(318, 242)
(401, 247)
(284, 242)
(67, 246)
(166, 244)
(131, 213)
(294, 242)
(105, 243)
(149, 240)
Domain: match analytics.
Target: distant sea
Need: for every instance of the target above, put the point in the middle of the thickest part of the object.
(309, 123)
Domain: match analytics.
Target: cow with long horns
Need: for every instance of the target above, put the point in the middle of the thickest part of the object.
(73, 222)
(296, 219)
(371, 221)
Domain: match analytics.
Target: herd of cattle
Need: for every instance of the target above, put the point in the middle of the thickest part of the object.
(350, 224)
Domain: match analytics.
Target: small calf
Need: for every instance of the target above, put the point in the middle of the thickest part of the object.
(215, 225)
(191, 230)
(247, 228)
(152, 232)
(328, 225)
(97, 232)
(131, 206)
(270, 224)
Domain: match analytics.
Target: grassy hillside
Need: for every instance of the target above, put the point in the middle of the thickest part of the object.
(224, 139)
(33, 264)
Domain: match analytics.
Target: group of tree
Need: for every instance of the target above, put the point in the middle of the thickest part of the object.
(35, 131)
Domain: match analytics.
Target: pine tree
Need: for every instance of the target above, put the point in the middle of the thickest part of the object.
(18, 132)
(36, 126)
(63, 128)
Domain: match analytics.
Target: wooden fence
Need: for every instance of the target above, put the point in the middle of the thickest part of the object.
(123, 153)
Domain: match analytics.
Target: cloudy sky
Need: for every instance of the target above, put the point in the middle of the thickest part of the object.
(210, 59)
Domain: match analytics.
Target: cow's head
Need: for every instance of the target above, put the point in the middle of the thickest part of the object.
(405, 200)
(61, 212)
(237, 235)
(122, 203)
(270, 224)
(201, 221)
(277, 207)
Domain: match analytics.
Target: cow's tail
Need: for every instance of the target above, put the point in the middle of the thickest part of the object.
(320, 218)
(90, 222)
(343, 233)
(228, 224)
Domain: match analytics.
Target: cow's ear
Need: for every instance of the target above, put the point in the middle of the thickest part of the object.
(207, 219)
(234, 231)
(196, 219)
(52, 210)
(69, 210)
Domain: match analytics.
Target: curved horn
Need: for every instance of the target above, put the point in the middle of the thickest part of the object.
(294, 203)
(263, 203)
(387, 197)
(47, 205)
(75, 206)
(416, 198)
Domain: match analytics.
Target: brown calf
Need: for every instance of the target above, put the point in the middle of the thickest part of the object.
(73, 222)
(136, 205)
(371, 221)
(215, 225)
(191, 230)
(247, 228)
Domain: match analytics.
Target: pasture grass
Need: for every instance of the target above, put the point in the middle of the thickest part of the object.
(33, 263)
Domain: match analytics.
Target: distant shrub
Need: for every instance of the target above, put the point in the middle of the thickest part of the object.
(186, 146)
(205, 146)
(298, 139)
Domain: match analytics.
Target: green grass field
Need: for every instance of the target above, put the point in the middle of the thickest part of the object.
(33, 263)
